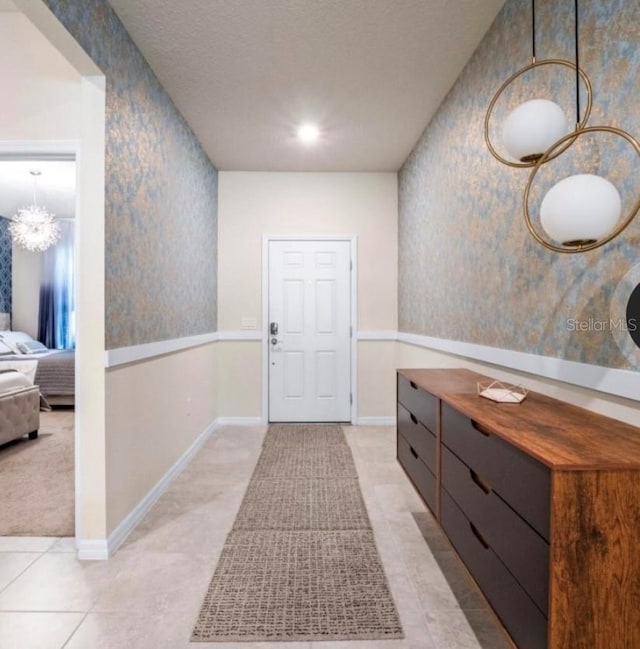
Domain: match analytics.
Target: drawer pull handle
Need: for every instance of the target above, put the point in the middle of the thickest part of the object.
(413, 385)
(481, 429)
(414, 419)
(479, 536)
(480, 482)
(413, 452)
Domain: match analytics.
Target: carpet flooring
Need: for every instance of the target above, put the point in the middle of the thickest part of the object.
(37, 481)
(300, 562)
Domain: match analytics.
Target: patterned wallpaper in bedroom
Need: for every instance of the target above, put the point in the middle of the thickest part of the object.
(5, 267)
(468, 269)
(161, 193)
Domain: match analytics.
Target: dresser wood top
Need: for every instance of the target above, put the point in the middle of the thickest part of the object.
(440, 381)
(560, 435)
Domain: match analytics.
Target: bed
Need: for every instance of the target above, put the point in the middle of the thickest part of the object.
(54, 369)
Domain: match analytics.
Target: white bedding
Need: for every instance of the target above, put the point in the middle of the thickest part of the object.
(34, 356)
(27, 367)
(52, 370)
(13, 358)
(13, 381)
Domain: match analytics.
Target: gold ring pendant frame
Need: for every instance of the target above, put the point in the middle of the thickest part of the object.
(567, 141)
(550, 154)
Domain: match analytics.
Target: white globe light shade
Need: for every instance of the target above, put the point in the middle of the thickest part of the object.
(583, 208)
(532, 127)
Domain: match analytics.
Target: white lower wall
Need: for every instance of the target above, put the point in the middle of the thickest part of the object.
(240, 378)
(156, 409)
(376, 379)
(240, 385)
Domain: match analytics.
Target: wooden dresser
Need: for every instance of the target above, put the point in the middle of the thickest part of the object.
(540, 499)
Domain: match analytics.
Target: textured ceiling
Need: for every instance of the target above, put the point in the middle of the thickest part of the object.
(245, 73)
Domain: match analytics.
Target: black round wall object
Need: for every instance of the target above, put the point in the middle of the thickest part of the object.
(633, 315)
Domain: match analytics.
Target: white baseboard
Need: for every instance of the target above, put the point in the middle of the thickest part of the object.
(376, 421)
(239, 421)
(102, 549)
(92, 549)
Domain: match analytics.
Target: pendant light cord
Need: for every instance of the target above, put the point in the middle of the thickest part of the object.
(577, 66)
(533, 31)
(34, 175)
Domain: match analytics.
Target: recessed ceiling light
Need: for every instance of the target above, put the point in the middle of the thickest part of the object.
(308, 133)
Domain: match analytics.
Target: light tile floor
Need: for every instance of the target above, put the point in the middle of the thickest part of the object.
(149, 594)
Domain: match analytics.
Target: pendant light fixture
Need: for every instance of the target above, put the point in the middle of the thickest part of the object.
(34, 227)
(582, 211)
(532, 127)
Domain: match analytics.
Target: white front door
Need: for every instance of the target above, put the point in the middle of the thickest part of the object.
(309, 331)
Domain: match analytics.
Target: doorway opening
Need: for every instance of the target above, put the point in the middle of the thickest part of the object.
(37, 341)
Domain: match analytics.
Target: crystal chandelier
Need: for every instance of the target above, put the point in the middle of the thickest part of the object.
(34, 227)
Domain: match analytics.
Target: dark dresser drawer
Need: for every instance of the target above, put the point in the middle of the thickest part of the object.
(421, 439)
(518, 479)
(521, 617)
(523, 551)
(419, 403)
(421, 476)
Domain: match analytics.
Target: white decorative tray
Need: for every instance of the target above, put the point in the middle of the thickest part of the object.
(501, 392)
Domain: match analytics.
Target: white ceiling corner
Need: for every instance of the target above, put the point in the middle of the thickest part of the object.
(245, 73)
(56, 187)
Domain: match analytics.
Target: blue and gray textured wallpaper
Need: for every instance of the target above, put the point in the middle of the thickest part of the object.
(161, 193)
(468, 268)
(6, 258)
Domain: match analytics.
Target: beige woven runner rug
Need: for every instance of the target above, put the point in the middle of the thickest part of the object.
(300, 562)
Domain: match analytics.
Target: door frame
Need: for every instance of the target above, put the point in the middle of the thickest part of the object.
(264, 336)
(72, 150)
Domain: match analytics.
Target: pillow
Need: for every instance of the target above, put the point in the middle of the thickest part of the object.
(5, 349)
(31, 347)
(12, 338)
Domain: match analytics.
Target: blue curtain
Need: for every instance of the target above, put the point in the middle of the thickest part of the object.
(56, 320)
